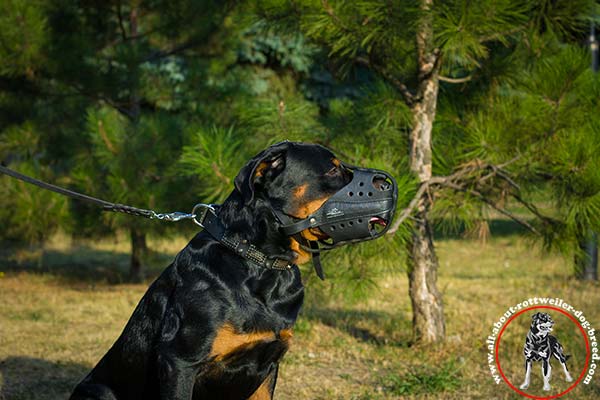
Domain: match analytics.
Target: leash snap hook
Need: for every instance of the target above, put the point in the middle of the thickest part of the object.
(199, 213)
(171, 217)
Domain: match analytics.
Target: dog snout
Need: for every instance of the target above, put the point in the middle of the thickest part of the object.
(381, 183)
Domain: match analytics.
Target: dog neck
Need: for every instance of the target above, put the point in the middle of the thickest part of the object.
(256, 223)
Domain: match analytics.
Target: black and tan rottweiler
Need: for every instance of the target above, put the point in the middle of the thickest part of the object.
(541, 346)
(215, 325)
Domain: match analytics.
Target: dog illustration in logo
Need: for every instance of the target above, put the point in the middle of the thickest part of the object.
(541, 346)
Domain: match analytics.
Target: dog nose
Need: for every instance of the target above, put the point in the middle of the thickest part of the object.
(380, 183)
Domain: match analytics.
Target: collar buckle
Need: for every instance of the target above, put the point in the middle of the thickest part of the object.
(200, 211)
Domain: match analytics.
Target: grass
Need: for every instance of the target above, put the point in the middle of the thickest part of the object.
(56, 322)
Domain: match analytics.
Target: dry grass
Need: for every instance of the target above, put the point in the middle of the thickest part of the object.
(55, 325)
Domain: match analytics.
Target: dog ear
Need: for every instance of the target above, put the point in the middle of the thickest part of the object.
(265, 164)
(535, 316)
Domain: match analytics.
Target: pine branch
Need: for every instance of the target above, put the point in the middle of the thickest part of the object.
(532, 208)
(329, 10)
(414, 203)
(458, 181)
(498, 35)
(408, 97)
(107, 142)
(489, 202)
(498, 170)
(219, 174)
(121, 25)
(120, 107)
(455, 80)
(409, 209)
(157, 55)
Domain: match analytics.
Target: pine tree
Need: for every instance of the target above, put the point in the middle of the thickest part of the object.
(474, 50)
(106, 84)
(477, 108)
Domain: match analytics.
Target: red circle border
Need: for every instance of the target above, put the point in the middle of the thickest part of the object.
(587, 357)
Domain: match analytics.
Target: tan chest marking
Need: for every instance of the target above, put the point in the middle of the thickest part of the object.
(228, 340)
(263, 392)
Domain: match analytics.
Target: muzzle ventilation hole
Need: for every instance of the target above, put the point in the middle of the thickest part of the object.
(342, 225)
(360, 194)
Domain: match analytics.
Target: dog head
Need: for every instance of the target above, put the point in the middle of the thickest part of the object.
(541, 324)
(295, 180)
(295, 177)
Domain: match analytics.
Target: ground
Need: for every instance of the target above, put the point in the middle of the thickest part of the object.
(56, 322)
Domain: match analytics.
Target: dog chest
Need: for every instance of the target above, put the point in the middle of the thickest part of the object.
(241, 363)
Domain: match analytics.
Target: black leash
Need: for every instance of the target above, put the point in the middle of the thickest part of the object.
(203, 215)
(106, 206)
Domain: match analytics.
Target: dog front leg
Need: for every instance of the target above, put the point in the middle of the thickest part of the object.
(568, 377)
(176, 379)
(525, 384)
(546, 371)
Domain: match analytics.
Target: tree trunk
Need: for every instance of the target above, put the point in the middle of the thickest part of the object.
(428, 309)
(586, 261)
(426, 300)
(134, 99)
(139, 250)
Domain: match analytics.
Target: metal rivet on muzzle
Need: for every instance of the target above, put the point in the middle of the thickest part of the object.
(312, 221)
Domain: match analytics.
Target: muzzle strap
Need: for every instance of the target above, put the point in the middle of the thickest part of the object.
(316, 259)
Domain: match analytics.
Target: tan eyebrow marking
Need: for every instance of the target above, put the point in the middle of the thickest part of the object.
(300, 191)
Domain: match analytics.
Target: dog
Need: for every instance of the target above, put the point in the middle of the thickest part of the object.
(541, 346)
(217, 322)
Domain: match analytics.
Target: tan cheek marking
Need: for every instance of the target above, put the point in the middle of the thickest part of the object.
(228, 340)
(313, 234)
(308, 208)
(303, 256)
(285, 335)
(336, 162)
(308, 235)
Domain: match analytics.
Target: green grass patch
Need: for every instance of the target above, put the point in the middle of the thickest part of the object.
(56, 322)
(424, 380)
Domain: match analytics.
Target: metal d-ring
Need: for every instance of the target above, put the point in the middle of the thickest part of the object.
(204, 209)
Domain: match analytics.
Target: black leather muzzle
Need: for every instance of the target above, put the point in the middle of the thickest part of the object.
(361, 210)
